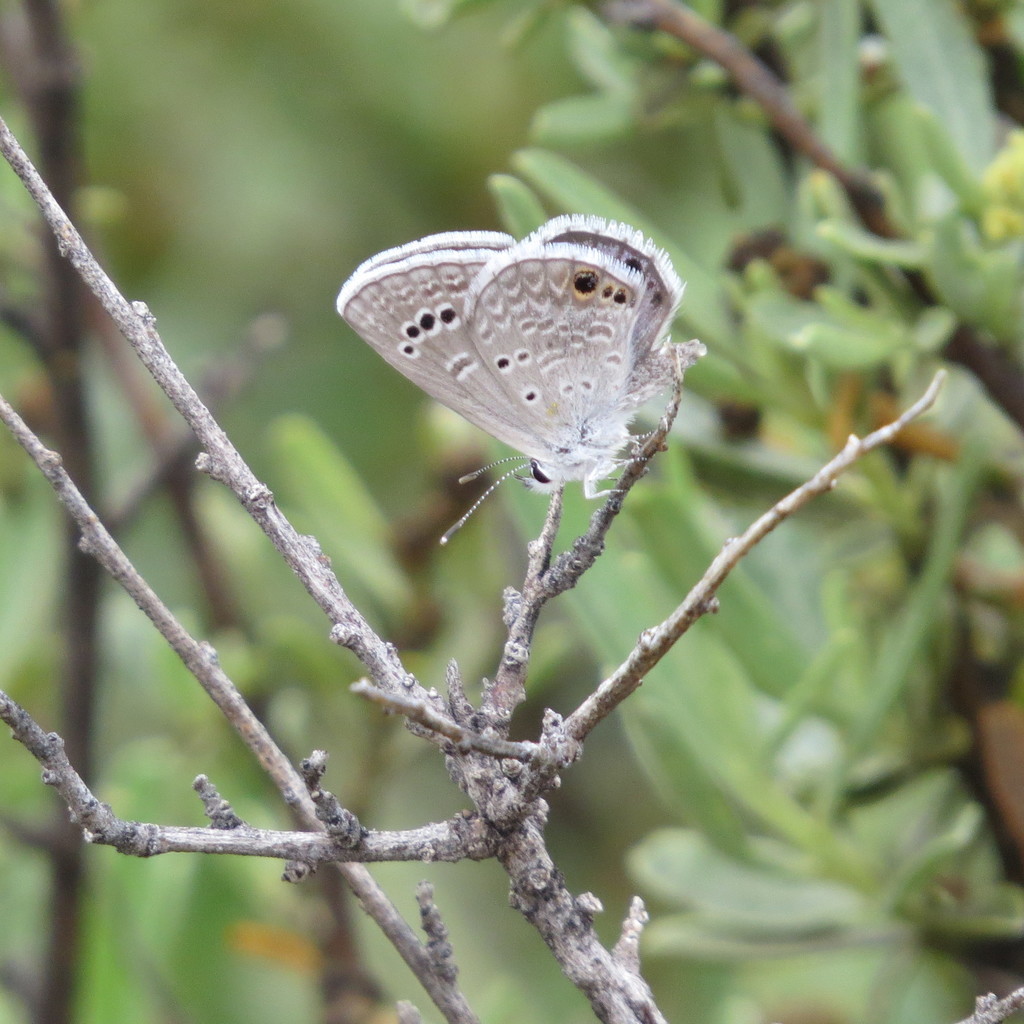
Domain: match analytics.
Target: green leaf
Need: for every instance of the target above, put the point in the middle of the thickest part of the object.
(686, 529)
(29, 567)
(435, 13)
(936, 854)
(948, 161)
(839, 121)
(915, 192)
(579, 120)
(336, 506)
(756, 183)
(841, 337)
(748, 899)
(995, 913)
(913, 627)
(695, 937)
(520, 210)
(864, 245)
(841, 348)
(933, 328)
(702, 702)
(981, 284)
(598, 53)
(942, 66)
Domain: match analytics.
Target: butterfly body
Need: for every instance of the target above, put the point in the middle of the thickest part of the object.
(549, 344)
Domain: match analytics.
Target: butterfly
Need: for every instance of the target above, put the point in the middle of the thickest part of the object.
(549, 344)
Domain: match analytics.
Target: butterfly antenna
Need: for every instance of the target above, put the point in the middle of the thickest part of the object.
(469, 477)
(449, 533)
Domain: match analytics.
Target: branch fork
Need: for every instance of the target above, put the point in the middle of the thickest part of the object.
(505, 780)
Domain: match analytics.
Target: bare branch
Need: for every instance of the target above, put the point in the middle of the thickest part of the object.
(656, 642)
(990, 1010)
(341, 824)
(463, 837)
(617, 993)
(220, 459)
(437, 934)
(423, 714)
(407, 1013)
(202, 661)
(216, 808)
(507, 690)
(627, 949)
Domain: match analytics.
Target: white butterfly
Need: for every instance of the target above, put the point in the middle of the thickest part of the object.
(549, 344)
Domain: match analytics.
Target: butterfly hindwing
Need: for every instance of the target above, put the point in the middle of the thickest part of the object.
(552, 324)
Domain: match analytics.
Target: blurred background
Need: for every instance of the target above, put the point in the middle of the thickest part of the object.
(820, 794)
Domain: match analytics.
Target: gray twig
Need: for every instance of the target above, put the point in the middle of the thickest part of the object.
(223, 461)
(656, 642)
(407, 1013)
(341, 824)
(436, 932)
(463, 837)
(216, 808)
(990, 1010)
(627, 949)
(433, 721)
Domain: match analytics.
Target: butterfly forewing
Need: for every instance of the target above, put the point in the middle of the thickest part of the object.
(443, 243)
(411, 310)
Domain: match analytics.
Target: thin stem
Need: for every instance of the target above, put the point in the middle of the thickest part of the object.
(203, 663)
(656, 642)
(433, 721)
(301, 554)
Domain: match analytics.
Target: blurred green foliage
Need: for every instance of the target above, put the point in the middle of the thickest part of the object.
(786, 788)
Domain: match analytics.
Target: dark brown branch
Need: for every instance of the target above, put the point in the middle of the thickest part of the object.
(1002, 378)
(46, 75)
(757, 80)
(999, 374)
(436, 932)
